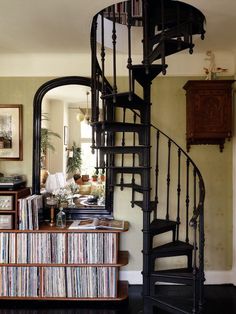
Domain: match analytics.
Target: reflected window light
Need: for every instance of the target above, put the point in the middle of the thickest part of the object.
(88, 159)
(85, 131)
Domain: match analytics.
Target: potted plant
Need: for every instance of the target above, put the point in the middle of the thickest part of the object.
(95, 176)
(46, 142)
(74, 160)
(102, 175)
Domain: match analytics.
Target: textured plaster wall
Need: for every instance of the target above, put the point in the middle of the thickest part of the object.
(168, 113)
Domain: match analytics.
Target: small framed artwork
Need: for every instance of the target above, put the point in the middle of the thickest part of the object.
(11, 132)
(6, 222)
(6, 202)
(65, 135)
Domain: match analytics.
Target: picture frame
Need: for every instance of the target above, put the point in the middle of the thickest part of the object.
(65, 135)
(11, 132)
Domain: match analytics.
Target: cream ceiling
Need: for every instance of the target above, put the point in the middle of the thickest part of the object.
(63, 26)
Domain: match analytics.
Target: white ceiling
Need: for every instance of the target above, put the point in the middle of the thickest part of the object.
(75, 95)
(63, 26)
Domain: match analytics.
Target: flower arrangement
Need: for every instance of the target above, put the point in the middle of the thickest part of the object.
(61, 196)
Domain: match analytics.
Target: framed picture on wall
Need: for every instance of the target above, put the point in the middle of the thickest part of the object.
(11, 132)
(65, 135)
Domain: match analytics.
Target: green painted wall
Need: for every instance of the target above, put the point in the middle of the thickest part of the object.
(168, 113)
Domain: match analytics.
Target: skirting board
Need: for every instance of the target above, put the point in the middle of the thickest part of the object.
(212, 277)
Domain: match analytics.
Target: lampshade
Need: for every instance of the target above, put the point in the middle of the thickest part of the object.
(80, 116)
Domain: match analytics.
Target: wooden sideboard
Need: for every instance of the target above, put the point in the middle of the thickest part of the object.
(208, 112)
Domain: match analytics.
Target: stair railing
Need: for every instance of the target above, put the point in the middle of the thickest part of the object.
(189, 187)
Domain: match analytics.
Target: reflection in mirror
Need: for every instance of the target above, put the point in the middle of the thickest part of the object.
(66, 159)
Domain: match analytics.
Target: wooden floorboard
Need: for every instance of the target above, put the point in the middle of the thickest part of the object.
(220, 299)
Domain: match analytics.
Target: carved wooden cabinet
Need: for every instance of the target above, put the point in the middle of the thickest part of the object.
(209, 112)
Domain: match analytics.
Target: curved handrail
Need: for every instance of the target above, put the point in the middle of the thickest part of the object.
(199, 207)
(201, 181)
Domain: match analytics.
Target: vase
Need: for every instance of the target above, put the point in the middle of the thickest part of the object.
(61, 218)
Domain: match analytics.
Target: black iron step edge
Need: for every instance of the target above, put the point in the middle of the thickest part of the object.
(172, 46)
(128, 100)
(162, 303)
(158, 226)
(173, 277)
(144, 75)
(136, 187)
(177, 248)
(132, 170)
(103, 126)
(152, 204)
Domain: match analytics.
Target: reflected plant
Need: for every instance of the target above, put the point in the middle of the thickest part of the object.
(46, 140)
(74, 160)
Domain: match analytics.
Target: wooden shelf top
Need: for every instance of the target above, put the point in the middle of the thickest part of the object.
(122, 295)
(45, 227)
(123, 259)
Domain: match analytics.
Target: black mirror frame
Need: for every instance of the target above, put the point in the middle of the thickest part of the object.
(37, 111)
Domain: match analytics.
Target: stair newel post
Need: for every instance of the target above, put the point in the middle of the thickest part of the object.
(146, 32)
(94, 116)
(187, 201)
(168, 180)
(163, 35)
(178, 194)
(156, 173)
(147, 245)
(122, 155)
(114, 52)
(133, 162)
(129, 61)
(103, 54)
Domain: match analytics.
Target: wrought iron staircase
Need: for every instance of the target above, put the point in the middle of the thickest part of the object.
(165, 183)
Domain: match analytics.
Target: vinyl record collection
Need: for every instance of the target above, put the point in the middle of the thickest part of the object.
(58, 248)
(59, 282)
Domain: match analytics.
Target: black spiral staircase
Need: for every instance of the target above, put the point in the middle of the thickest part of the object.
(165, 183)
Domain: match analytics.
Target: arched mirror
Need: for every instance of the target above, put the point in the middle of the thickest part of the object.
(62, 142)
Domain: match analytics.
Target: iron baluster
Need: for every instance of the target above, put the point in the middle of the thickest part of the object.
(146, 49)
(168, 180)
(187, 201)
(178, 194)
(163, 61)
(194, 266)
(114, 52)
(156, 173)
(178, 27)
(133, 161)
(201, 251)
(103, 54)
(129, 61)
(122, 155)
(191, 32)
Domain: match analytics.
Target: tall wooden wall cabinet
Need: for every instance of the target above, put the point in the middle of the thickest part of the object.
(209, 112)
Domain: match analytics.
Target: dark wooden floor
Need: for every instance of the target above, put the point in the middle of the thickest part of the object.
(220, 299)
